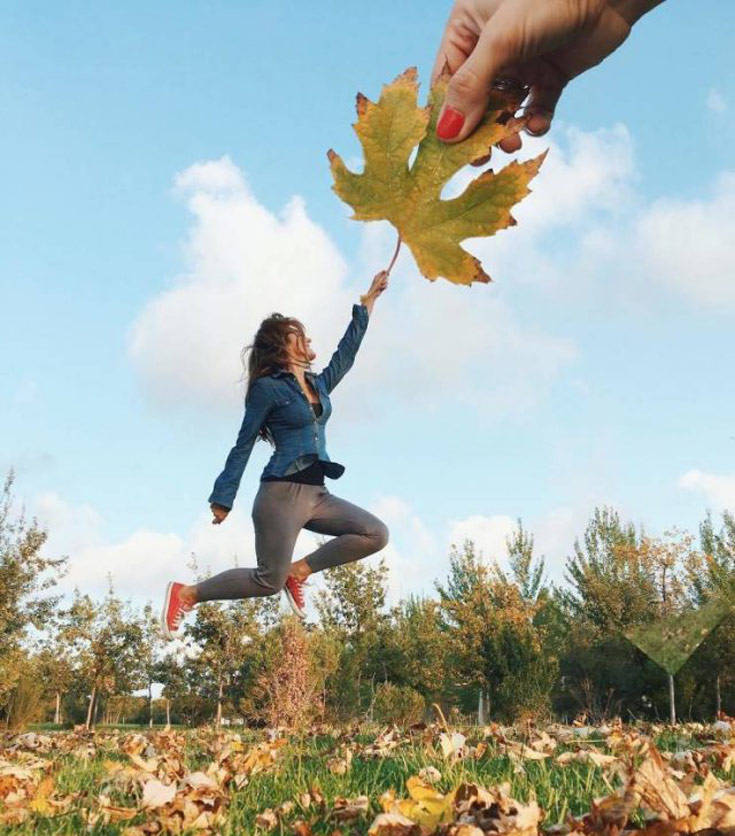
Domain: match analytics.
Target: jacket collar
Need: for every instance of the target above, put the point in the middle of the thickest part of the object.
(284, 373)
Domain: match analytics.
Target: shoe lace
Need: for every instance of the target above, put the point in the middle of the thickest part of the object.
(297, 590)
(180, 613)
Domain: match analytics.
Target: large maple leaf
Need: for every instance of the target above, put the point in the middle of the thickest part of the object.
(410, 196)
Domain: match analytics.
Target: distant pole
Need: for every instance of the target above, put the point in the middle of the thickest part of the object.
(672, 702)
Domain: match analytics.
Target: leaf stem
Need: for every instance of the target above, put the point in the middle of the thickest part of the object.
(395, 254)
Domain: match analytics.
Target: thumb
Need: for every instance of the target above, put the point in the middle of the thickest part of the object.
(469, 88)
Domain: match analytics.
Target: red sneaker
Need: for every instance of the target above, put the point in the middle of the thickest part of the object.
(173, 610)
(294, 589)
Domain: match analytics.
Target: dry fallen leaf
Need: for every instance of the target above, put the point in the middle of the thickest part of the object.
(393, 824)
(347, 809)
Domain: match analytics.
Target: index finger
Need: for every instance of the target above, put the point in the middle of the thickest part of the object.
(455, 47)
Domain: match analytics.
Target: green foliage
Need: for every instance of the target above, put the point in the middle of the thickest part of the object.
(351, 609)
(494, 628)
(25, 702)
(610, 587)
(25, 576)
(106, 641)
(528, 573)
(416, 652)
(398, 704)
(496, 645)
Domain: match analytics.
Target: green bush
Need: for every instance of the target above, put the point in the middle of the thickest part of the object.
(26, 701)
(398, 704)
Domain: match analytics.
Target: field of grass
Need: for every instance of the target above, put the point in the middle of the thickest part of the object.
(358, 780)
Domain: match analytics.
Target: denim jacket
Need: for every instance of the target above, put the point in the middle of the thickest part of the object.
(278, 401)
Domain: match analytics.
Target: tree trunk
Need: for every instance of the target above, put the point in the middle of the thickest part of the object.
(480, 709)
(150, 704)
(718, 697)
(92, 696)
(672, 702)
(219, 703)
(168, 712)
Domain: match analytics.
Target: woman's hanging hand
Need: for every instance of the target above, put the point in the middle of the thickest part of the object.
(378, 285)
(219, 512)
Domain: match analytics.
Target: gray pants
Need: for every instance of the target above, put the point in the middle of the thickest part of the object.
(280, 511)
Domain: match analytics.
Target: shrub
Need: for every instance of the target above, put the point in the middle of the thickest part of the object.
(398, 704)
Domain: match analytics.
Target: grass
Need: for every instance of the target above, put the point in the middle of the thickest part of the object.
(302, 764)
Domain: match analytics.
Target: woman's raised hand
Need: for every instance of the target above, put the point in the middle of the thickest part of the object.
(377, 286)
(219, 512)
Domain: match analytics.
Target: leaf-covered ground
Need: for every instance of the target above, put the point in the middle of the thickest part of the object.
(424, 780)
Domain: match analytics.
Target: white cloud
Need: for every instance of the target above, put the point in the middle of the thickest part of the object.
(213, 176)
(718, 490)
(584, 185)
(71, 527)
(586, 229)
(553, 534)
(244, 262)
(412, 557)
(585, 174)
(143, 562)
(716, 102)
(430, 343)
(489, 534)
(689, 244)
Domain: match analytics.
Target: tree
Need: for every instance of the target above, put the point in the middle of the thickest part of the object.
(25, 575)
(56, 670)
(492, 637)
(526, 570)
(106, 641)
(677, 629)
(152, 642)
(226, 636)
(711, 573)
(352, 611)
(417, 649)
(625, 585)
(610, 586)
(171, 672)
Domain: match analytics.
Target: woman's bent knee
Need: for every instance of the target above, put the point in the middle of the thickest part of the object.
(272, 584)
(380, 535)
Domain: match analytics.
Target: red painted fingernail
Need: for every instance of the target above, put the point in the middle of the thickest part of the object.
(450, 123)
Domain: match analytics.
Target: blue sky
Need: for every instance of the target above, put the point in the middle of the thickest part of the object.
(166, 186)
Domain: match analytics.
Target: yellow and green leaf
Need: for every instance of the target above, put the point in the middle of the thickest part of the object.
(410, 196)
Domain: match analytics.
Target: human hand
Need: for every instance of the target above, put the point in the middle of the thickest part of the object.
(540, 44)
(219, 512)
(377, 286)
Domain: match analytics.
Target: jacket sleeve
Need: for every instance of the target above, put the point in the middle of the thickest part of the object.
(257, 406)
(344, 356)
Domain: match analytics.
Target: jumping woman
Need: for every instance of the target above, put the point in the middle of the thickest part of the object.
(287, 404)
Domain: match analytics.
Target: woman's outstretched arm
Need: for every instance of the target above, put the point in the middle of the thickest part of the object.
(344, 356)
(257, 407)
